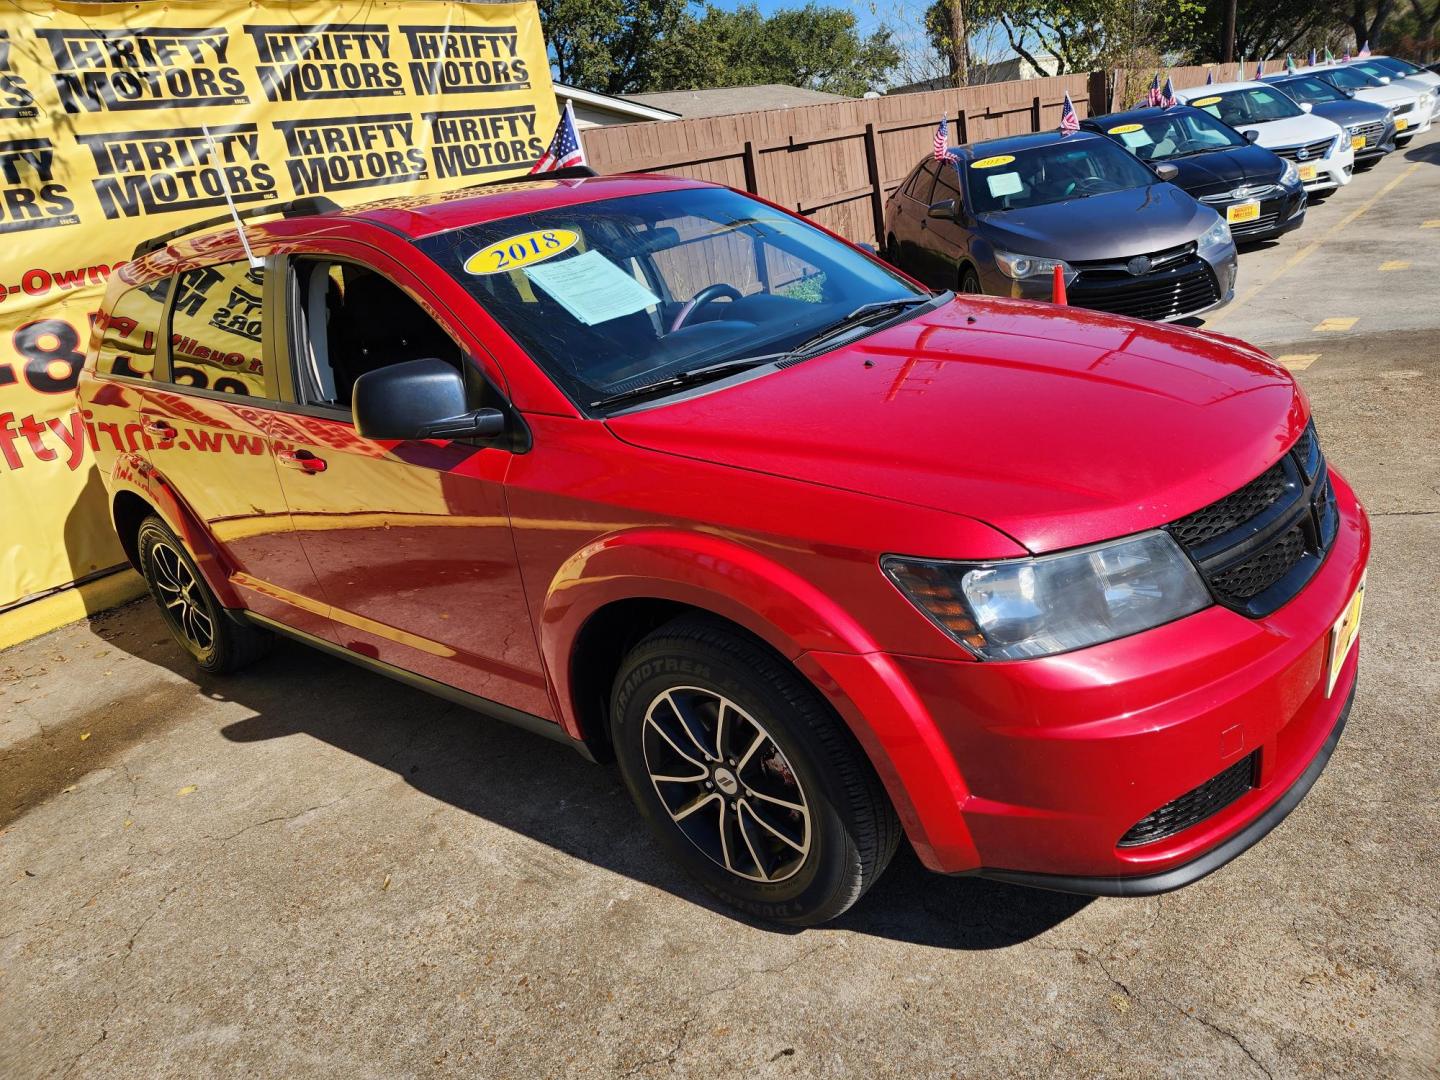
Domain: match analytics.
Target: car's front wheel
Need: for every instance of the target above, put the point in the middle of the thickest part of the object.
(746, 776)
(969, 281)
(217, 641)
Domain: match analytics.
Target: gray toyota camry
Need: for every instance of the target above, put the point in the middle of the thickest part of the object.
(1001, 215)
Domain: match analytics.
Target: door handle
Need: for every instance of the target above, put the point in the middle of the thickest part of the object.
(160, 429)
(303, 460)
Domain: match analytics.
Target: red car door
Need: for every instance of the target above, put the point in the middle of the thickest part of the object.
(410, 541)
(204, 420)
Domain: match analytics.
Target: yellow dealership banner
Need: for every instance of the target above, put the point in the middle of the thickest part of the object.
(120, 122)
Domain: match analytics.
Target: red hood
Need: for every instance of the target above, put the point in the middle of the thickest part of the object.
(1059, 426)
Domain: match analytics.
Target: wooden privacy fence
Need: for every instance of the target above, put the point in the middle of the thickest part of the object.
(1125, 96)
(838, 162)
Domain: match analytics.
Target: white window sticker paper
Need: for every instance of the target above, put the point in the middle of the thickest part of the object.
(592, 288)
(1133, 139)
(1005, 183)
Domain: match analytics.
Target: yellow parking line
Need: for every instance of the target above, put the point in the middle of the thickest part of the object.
(1309, 249)
(1433, 223)
(1334, 325)
(1394, 264)
(1297, 361)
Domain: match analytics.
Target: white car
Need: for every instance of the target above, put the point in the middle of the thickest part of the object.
(1320, 149)
(1410, 104)
(1402, 73)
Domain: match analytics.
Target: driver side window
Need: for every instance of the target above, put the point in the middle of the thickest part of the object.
(349, 319)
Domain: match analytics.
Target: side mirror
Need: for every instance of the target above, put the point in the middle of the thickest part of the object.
(945, 208)
(1252, 135)
(1167, 172)
(419, 399)
(1384, 80)
(870, 248)
(1305, 106)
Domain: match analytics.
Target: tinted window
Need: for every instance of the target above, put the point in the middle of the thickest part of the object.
(1054, 172)
(947, 184)
(129, 332)
(1350, 79)
(1172, 134)
(1395, 64)
(602, 294)
(216, 328)
(1250, 106)
(1310, 89)
(355, 320)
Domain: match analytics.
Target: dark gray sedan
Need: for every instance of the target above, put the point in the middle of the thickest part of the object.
(1002, 214)
(1371, 127)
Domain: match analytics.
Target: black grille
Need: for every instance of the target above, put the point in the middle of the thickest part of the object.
(1312, 150)
(1267, 566)
(1259, 224)
(1258, 546)
(1168, 293)
(1401, 110)
(1371, 132)
(1238, 507)
(1194, 806)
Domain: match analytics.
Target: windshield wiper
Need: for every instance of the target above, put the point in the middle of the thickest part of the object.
(864, 314)
(691, 377)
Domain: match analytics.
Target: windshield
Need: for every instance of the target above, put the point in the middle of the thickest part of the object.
(1390, 66)
(1052, 173)
(1254, 105)
(1307, 88)
(612, 295)
(1351, 79)
(1174, 133)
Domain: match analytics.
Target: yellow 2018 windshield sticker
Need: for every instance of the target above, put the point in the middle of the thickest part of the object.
(523, 249)
(992, 162)
(1205, 101)
(1125, 129)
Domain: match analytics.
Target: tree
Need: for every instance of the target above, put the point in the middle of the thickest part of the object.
(610, 46)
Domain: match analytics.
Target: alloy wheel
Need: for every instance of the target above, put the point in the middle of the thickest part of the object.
(726, 784)
(181, 599)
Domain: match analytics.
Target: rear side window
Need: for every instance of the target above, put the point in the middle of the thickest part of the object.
(129, 332)
(216, 327)
(922, 183)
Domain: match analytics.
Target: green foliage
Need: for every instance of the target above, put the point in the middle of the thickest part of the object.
(631, 46)
(1263, 29)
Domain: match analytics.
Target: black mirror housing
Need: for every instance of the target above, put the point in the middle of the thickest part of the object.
(419, 399)
(1252, 135)
(945, 208)
(1166, 172)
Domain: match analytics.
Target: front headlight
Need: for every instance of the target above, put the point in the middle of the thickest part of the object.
(1290, 174)
(1050, 604)
(1021, 267)
(1217, 235)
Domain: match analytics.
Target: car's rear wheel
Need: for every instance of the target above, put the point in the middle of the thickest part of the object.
(746, 776)
(969, 280)
(217, 641)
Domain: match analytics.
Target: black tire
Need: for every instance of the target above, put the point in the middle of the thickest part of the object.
(845, 821)
(892, 250)
(218, 641)
(969, 281)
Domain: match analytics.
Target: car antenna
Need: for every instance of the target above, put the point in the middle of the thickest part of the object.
(255, 261)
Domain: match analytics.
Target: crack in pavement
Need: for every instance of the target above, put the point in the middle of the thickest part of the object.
(768, 971)
(669, 1057)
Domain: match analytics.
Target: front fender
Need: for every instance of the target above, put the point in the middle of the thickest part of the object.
(801, 622)
(136, 476)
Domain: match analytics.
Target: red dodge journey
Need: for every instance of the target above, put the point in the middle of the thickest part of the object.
(819, 557)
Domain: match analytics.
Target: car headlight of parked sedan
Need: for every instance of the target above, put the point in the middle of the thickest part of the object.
(1021, 267)
(1049, 604)
(1290, 175)
(1215, 239)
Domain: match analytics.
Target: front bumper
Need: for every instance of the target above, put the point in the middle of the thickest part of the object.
(1332, 171)
(1044, 765)
(1280, 213)
(1166, 295)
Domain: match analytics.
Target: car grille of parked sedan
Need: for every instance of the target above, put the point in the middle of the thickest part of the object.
(1258, 546)
(1373, 132)
(1194, 806)
(1178, 283)
(1313, 151)
(1401, 110)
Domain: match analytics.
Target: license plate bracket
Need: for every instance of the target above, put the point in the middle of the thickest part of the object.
(1343, 635)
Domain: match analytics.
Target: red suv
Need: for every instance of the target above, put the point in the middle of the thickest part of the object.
(667, 473)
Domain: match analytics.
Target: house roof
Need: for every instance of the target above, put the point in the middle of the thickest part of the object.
(723, 100)
(621, 106)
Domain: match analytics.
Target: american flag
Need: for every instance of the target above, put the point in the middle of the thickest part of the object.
(1167, 96)
(1364, 49)
(1209, 78)
(1152, 96)
(1260, 70)
(1312, 58)
(942, 141)
(1346, 58)
(564, 149)
(1069, 122)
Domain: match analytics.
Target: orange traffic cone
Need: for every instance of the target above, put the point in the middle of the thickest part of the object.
(1059, 293)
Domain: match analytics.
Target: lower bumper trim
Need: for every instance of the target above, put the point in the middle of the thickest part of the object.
(1212, 860)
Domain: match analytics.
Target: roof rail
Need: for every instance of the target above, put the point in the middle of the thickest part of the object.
(306, 207)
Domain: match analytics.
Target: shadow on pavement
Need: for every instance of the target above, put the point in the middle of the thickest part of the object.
(545, 791)
(1429, 153)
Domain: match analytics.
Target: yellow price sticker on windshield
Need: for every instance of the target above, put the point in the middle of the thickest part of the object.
(1125, 129)
(992, 162)
(523, 249)
(1205, 101)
